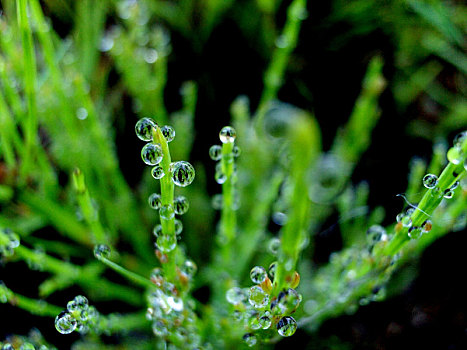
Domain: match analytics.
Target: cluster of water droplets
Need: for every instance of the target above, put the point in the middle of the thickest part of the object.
(33, 341)
(78, 316)
(257, 309)
(8, 242)
(172, 316)
(227, 135)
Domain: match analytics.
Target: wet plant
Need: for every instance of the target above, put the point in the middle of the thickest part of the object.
(168, 261)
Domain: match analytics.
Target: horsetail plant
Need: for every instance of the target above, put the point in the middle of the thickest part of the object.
(281, 181)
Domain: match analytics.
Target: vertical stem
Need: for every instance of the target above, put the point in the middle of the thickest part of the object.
(167, 198)
(30, 124)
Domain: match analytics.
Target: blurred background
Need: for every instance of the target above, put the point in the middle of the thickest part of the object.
(224, 47)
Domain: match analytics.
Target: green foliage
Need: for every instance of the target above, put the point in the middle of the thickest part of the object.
(58, 107)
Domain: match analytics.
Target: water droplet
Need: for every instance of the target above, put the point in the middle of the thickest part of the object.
(183, 173)
(265, 320)
(157, 230)
(217, 202)
(65, 323)
(282, 41)
(227, 134)
(279, 218)
(455, 155)
(399, 217)
(101, 251)
(220, 176)
(8, 347)
(375, 234)
(154, 201)
(258, 297)
(274, 246)
(79, 303)
(143, 128)
(460, 138)
(189, 268)
(415, 232)
(81, 113)
(181, 205)
(166, 243)
(160, 329)
(150, 55)
(157, 276)
(448, 193)
(168, 132)
(250, 339)
(430, 181)
(258, 274)
(175, 303)
(178, 226)
(272, 270)
(236, 151)
(406, 221)
(235, 295)
(427, 226)
(157, 172)
(288, 301)
(286, 326)
(166, 212)
(151, 154)
(106, 44)
(215, 152)
(454, 185)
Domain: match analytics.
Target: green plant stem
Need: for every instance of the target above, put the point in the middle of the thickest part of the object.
(274, 75)
(304, 149)
(131, 276)
(30, 126)
(89, 212)
(167, 198)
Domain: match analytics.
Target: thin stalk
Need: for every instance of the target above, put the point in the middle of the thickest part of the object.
(274, 75)
(87, 209)
(167, 198)
(131, 276)
(30, 125)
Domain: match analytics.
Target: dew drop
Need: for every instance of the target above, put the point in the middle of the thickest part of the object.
(227, 134)
(258, 297)
(286, 326)
(236, 151)
(215, 152)
(166, 212)
(181, 205)
(157, 172)
(427, 226)
(157, 276)
(157, 230)
(406, 221)
(217, 201)
(220, 176)
(154, 201)
(65, 323)
(81, 113)
(183, 173)
(448, 193)
(101, 251)
(166, 243)
(250, 339)
(454, 185)
(175, 303)
(375, 234)
(143, 129)
(430, 181)
(235, 295)
(178, 226)
(415, 232)
(272, 270)
(274, 246)
(79, 303)
(151, 154)
(168, 132)
(258, 274)
(189, 268)
(150, 56)
(265, 320)
(460, 138)
(455, 155)
(288, 301)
